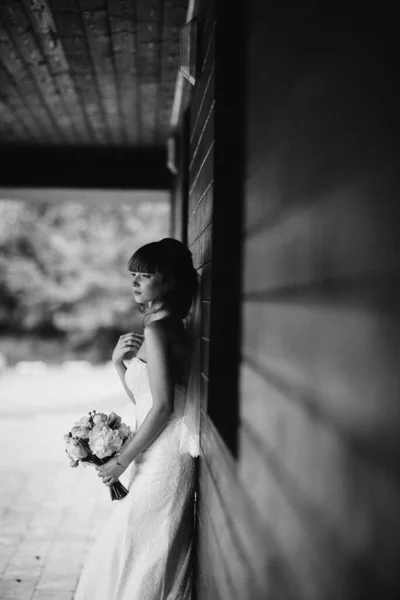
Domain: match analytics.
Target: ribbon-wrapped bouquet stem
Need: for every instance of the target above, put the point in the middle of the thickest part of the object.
(95, 439)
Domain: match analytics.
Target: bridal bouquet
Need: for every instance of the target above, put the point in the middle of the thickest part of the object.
(95, 439)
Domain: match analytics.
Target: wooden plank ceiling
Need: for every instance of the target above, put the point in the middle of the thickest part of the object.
(88, 73)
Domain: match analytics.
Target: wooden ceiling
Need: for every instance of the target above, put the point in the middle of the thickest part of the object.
(88, 73)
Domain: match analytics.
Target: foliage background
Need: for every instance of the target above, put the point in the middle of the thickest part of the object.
(64, 286)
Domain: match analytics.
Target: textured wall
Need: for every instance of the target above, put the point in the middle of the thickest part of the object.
(320, 409)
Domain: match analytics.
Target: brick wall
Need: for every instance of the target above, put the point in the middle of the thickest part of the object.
(200, 185)
(223, 571)
(194, 195)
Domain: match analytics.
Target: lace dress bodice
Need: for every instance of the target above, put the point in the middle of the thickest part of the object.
(137, 380)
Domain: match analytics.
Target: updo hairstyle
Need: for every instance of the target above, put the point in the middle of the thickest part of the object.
(172, 259)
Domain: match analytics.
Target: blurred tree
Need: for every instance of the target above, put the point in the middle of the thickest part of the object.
(63, 268)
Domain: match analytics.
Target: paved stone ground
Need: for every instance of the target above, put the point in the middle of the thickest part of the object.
(49, 513)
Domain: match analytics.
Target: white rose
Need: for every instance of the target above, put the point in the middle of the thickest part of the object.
(80, 432)
(84, 422)
(99, 418)
(104, 441)
(124, 430)
(75, 451)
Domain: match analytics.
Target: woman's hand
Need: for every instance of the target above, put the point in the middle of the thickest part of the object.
(130, 342)
(110, 471)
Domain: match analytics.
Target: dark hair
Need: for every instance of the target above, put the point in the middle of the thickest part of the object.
(172, 259)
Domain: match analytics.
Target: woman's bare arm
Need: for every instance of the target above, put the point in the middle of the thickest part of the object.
(121, 370)
(130, 342)
(162, 391)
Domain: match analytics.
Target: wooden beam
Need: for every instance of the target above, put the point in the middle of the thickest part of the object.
(174, 18)
(18, 32)
(69, 22)
(84, 168)
(95, 18)
(122, 17)
(22, 80)
(150, 16)
(180, 85)
(45, 29)
(10, 128)
(11, 97)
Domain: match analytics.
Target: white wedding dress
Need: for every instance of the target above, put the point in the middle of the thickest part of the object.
(144, 551)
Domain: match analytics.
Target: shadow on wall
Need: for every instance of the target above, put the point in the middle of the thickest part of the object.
(320, 410)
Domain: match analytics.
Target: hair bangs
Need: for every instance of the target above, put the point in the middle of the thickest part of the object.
(146, 260)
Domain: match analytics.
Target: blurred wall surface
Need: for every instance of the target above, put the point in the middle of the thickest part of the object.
(319, 393)
(307, 505)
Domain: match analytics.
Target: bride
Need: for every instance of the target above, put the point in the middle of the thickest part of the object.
(145, 550)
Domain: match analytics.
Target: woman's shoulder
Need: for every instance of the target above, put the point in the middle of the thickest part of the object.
(156, 333)
(167, 331)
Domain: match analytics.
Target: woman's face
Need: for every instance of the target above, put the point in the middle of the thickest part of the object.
(148, 287)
